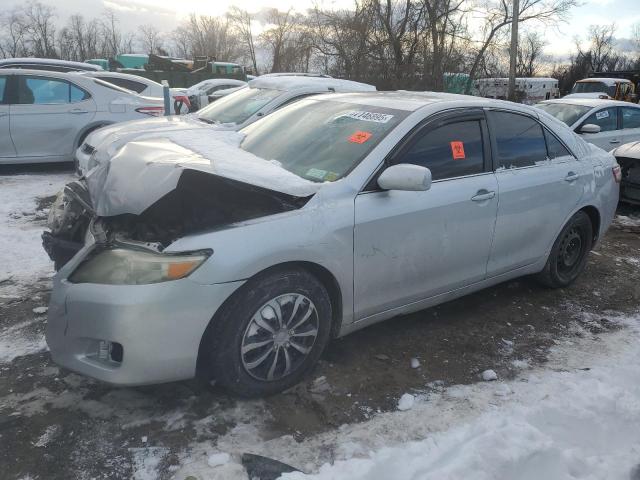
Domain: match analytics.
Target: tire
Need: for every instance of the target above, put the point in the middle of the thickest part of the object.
(569, 254)
(245, 349)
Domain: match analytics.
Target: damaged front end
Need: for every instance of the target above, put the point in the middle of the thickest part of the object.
(200, 202)
(630, 184)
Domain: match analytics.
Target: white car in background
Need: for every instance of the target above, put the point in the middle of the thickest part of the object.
(45, 115)
(207, 91)
(604, 123)
(145, 87)
(233, 112)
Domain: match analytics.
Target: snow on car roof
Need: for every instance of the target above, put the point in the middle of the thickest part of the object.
(49, 61)
(590, 102)
(294, 82)
(410, 101)
(610, 82)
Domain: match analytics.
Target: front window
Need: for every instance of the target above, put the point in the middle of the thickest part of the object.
(564, 112)
(320, 140)
(48, 91)
(237, 107)
(606, 119)
(594, 87)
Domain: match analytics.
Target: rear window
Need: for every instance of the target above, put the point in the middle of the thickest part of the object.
(320, 140)
(3, 84)
(520, 140)
(630, 117)
(237, 107)
(564, 112)
(132, 85)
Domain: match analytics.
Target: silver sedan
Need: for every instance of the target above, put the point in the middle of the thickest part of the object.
(237, 256)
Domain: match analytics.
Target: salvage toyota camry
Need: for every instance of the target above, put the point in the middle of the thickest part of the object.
(237, 256)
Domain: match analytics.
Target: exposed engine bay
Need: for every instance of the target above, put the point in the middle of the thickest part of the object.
(200, 202)
(630, 184)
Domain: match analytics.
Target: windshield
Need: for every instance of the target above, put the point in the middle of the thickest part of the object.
(564, 112)
(593, 87)
(320, 140)
(239, 106)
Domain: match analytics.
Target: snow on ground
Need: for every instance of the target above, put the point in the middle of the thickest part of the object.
(627, 221)
(21, 225)
(576, 417)
(24, 338)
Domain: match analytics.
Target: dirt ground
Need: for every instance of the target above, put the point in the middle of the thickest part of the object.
(58, 425)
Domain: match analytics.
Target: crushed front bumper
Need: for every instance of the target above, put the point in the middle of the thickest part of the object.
(158, 328)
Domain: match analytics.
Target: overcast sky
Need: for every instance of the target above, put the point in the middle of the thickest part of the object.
(167, 14)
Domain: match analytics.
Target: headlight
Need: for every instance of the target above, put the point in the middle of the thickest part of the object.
(121, 266)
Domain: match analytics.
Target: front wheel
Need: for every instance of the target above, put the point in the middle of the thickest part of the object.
(568, 256)
(270, 334)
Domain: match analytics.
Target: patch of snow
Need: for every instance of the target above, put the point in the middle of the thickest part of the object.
(218, 459)
(40, 310)
(23, 261)
(489, 375)
(625, 221)
(559, 422)
(24, 338)
(49, 434)
(146, 461)
(415, 363)
(406, 402)
(520, 364)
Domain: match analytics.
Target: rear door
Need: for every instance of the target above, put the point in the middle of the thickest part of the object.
(630, 119)
(48, 115)
(6, 145)
(409, 246)
(607, 119)
(539, 182)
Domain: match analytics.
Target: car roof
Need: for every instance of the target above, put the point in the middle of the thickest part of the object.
(296, 82)
(107, 73)
(590, 102)
(610, 82)
(411, 101)
(50, 61)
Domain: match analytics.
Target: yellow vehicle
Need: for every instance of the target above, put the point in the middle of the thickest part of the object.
(612, 88)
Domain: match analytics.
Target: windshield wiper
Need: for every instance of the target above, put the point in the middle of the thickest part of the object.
(206, 120)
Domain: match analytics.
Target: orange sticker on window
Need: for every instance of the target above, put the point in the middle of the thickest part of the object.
(457, 150)
(360, 137)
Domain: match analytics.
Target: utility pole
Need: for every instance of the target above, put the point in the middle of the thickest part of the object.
(513, 52)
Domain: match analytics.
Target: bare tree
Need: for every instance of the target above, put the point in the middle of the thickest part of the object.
(39, 21)
(241, 21)
(529, 54)
(497, 15)
(14, 32)
(111, 33)
(150, 38)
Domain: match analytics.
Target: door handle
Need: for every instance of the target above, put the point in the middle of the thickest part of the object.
(571, 176)
(483, 195)
(78, 110)
(615, 140)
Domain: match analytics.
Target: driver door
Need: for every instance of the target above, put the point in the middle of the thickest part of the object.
(409, 246)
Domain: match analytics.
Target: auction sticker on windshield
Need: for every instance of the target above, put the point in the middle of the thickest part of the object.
(360, 137)
(601, 115)
(369, 116)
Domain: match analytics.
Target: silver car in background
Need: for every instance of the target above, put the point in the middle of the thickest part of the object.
(604, 123)
(261, 97)
(238, 258)
(45, 116)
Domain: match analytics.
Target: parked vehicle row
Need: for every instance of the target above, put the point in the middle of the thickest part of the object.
(238, 255)
(261, 97)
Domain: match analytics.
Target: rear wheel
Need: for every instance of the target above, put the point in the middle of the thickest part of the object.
(568, 256)
(270, 334)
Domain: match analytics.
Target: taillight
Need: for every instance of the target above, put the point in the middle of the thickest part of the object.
(153, 111)
(617, 173)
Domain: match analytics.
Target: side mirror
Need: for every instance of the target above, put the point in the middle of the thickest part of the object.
(407, 177)
(590, 128)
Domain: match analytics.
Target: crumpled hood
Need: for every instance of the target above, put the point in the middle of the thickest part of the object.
(628, 150)
(144, 170)
(129, 130)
